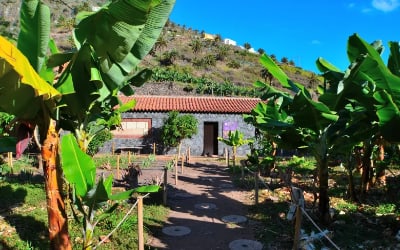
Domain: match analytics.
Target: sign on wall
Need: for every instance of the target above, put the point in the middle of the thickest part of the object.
(228, 126)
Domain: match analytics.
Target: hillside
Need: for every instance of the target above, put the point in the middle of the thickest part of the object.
(184, 60)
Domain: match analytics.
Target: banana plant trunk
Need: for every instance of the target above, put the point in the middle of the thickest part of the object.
(366, 168)
(351, 188)
(57, 218)
(323, 175)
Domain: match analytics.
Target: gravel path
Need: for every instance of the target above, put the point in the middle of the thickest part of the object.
(207, 212)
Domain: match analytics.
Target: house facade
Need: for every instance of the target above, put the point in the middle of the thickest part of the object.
(216, 116)
(228, 41)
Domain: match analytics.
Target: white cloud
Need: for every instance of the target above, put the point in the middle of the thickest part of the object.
(366, 10)
(385, 5)
(315, 42)
(351, 5)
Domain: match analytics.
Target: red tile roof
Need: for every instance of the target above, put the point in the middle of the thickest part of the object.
(192, 104)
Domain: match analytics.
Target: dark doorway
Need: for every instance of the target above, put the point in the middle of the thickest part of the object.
(210, 138)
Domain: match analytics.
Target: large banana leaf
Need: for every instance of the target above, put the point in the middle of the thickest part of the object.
(386, 85)
(394, 58)
(121, 34)
(278, 73)
(111, 43)
(311, 114)
(34, 34)
(79, 168)
(21, 88)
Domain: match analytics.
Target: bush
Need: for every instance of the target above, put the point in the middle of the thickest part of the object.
(233, 64)
(98, 141)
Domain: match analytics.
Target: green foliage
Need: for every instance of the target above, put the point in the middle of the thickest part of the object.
(205, 61)
(5, 120)
(247, 45)
(202, 85)
(387, 208)
(234, 64)
(169, 57)
(90, 197)
(150, 159)
(235, 139)
(98, 141)
(196, 45)
(178, 127)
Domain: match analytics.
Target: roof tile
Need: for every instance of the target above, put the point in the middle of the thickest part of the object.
(193, 104)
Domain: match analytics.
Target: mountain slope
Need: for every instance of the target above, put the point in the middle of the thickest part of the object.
(185, 60)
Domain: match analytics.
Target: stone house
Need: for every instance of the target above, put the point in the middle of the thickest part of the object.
(141, 127)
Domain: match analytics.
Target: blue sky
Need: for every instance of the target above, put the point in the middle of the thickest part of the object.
(302, 31)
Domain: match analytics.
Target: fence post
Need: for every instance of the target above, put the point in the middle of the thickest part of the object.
(176, 170)
(298, 199)
(154, 148)
(10, 159)
(140, 223)
(118, 166)
(227, 157)
(165, 186)
(182, 163)
(256, 187)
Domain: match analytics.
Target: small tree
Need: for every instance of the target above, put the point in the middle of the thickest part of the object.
(176, 128)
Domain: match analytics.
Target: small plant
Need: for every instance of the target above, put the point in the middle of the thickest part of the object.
(386, 209)
(348, 207)
(148, 161)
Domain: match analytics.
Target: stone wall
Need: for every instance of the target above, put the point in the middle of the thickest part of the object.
(195, 143)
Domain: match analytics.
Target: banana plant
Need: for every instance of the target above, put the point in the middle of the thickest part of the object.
(356, 105)
(235, 139)
(370, 89)
(297, 120)
(90, 198)
(105, 63)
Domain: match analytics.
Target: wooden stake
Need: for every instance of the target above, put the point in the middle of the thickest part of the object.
(256, 187)
(10, 159)
(188, 155)
(176, 171)
(129, 157)
(226, 157)
(165, 186)
(154, 148)
(118, 166)
(297, 229)
(182, 163)
(140, 223)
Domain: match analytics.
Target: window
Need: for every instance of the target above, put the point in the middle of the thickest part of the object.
(133, 128)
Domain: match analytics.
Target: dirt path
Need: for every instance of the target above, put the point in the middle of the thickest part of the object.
(207, 212)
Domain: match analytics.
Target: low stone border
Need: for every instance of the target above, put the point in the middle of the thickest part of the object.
(243, 244)
(176, 231)
(234, 219)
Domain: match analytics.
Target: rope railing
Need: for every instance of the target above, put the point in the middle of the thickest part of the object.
(120, 222)
(297, 202)
(262, 181)
(319, 229)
